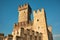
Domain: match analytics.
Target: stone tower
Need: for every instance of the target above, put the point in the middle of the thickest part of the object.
(40, 24)
(26, 29)
(23, 19)
(24, 13)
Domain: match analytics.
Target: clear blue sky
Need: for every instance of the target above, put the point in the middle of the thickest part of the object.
(9, 14)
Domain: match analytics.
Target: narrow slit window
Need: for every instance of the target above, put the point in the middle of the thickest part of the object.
(37, 19)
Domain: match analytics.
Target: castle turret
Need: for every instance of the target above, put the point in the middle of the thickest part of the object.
(40, 23)
(24, 13)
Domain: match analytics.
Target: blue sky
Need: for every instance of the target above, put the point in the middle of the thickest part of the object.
(9, 14)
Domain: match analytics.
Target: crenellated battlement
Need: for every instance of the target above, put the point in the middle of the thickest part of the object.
(15, 25)
(36, 11)
(39, 11)
(22, 7)
(29, 32)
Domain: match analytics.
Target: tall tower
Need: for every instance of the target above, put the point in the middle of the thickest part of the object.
(40, 24)
(24, 13)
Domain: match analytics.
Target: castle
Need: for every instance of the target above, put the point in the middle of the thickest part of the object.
(26, 29)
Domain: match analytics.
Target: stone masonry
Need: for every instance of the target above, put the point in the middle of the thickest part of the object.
(27, 29)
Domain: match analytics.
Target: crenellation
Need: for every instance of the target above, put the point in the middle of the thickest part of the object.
(15, 25)
(22, 7)
(42, 9)
(34, 11)
(38, 11)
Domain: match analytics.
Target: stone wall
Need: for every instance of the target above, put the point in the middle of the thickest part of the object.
(29, 35)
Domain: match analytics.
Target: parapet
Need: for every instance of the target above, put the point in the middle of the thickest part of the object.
(22, 7)
(38, 11)
(29, 32)
(15, 26)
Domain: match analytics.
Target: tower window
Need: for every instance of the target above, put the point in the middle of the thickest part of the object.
(37, 19)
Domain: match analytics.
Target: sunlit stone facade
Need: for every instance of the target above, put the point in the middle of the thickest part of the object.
(27, 29)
